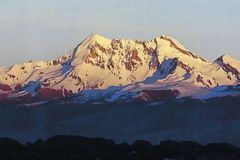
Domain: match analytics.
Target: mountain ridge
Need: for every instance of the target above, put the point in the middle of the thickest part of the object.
(132, 66)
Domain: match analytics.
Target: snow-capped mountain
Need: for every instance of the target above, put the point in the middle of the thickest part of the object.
(110, 70)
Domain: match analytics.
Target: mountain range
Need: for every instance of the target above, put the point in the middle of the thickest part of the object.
(110, 70)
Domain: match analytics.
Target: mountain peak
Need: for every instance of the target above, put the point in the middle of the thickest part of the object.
(226, 59)
(97, 37)
(172, 40)
(163, 36)
(230, 65)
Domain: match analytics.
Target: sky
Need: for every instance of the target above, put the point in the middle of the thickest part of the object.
(44, 29)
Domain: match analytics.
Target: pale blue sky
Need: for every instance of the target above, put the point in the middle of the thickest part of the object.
(45, 29)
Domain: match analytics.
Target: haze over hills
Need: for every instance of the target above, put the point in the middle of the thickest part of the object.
(122, 70)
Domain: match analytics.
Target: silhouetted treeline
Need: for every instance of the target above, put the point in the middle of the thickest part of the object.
(81, 148)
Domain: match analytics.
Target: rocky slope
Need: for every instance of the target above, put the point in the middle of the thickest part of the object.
(111, 70)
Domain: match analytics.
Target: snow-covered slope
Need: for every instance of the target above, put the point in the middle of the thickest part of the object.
(230, 65)
(100, 68)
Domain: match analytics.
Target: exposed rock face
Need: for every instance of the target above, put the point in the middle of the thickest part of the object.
(229, 65)
(132, 60)
(5, 87)
(187, 68)
(229, 69)
(158, 95)
(48, 93)
(200, 80)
